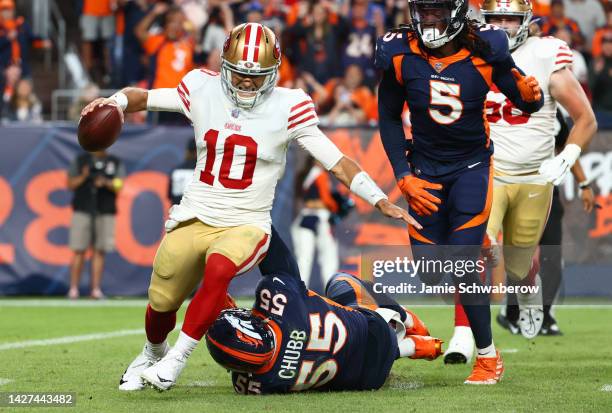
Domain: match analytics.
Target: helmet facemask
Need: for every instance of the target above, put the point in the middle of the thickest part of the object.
(247, 99)
(437, 22)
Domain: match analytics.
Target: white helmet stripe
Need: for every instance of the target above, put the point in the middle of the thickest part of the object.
(252, 41)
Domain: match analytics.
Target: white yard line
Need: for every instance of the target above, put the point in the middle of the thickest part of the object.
(5, 381)
(74, 339)
(54, 302)
(69, 339)
(509, 350)
(606, 388)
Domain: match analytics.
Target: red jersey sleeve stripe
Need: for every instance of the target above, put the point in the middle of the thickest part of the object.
(184, 99)
(564, 61)
(297, 115)
(299, 105)
(184, 88)
(299, 122)
(565, 54)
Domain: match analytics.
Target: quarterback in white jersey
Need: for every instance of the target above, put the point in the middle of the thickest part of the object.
(243, 125)
(526, 167)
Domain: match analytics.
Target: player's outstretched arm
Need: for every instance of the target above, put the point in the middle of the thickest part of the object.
(350, 174)
(523, 91)
(347, 171)
(132, 99)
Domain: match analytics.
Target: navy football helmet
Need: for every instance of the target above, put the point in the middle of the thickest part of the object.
(240, 341)
(427, 17)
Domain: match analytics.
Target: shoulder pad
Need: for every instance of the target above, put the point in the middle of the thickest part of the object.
(196, 79)
(389, 45)
(498, 41)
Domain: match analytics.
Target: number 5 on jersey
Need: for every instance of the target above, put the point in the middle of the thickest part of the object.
(448, 95)
(207, 175)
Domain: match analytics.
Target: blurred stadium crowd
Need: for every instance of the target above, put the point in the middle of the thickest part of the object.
(328, 49)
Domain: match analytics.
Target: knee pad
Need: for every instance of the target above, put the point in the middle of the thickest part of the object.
(526, 233)
(163, 301)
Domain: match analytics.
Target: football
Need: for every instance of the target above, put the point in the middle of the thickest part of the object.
(100, 128)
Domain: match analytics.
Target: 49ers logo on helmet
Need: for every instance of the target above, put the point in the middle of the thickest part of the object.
(277, 51)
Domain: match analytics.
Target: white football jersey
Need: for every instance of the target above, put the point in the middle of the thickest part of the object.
(523, 141)
(241, 154)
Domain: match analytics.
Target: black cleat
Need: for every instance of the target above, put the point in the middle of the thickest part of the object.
(508, 324)
(550, 327)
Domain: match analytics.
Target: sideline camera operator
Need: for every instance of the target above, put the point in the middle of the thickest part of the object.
(95, 178)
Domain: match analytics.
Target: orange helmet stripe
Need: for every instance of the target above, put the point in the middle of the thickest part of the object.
(243, 355)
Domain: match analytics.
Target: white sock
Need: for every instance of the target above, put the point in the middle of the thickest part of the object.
(406, 347)
(408, 322)
(156, 351)
(185, 344)
(487, 351)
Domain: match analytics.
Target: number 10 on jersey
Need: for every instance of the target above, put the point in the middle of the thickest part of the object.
(208, 176)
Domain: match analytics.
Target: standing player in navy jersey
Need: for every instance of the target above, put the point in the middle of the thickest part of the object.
(443, 66)
(295, 340)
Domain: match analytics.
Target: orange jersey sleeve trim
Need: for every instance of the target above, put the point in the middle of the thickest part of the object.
(484, 68)
(397, 66)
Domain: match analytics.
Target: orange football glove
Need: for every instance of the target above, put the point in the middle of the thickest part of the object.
(528, 86)
(420, 200)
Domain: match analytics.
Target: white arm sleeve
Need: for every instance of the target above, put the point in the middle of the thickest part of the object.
(164, 100)
(313, 140)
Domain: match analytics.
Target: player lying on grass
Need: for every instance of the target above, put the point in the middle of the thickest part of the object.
(294, 339)
(243, 125)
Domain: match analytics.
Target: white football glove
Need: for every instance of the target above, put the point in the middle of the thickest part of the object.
(555, 169)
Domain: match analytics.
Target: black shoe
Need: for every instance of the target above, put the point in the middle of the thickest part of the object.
(550, 327)
(508, 324)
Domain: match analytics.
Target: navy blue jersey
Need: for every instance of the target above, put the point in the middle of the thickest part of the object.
(446, 97)
(322, 344)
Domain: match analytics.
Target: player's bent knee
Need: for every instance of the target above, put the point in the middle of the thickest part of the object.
(162, 302)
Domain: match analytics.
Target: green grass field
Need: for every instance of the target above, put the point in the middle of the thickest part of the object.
(569, 373)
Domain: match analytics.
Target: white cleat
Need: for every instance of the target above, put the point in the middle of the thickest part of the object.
(530, 321)
(461, 347)
(131, 380)
(531, 311)
(163, 374)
